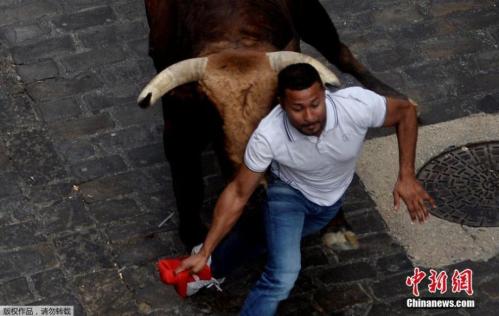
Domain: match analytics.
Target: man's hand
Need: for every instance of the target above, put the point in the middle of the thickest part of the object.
(193, 264)
(414, 196)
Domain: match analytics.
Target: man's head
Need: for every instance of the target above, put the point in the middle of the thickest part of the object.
(302, 96)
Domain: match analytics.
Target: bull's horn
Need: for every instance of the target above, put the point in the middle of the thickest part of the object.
(185, 71)
(279, 60)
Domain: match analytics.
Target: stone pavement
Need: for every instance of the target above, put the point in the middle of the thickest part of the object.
(84, 182)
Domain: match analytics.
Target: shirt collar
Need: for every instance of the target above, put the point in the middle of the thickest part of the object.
(331, 121)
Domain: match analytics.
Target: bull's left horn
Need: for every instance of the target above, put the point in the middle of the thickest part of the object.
(185, 71)
(279, 60)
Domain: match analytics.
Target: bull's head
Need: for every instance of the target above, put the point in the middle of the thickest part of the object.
(240, 84)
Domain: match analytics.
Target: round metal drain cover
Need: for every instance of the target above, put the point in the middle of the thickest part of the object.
(464, 181)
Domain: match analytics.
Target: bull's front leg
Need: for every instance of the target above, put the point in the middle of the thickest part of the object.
(184, 139)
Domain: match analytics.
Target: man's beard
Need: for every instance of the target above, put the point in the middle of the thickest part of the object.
(311, 129)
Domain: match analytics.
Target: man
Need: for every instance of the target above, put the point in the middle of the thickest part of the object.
(311, 141)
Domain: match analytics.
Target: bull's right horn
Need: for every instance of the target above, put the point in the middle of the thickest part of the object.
(279, 60)
(185, 71)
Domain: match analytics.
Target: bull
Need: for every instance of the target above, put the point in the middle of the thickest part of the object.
(217, 62)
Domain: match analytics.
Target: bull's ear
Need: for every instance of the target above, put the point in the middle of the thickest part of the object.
(145, 102)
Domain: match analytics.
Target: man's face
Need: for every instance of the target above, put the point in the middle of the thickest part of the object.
(306, 109)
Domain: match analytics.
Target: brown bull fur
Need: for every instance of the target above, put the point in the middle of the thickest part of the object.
(241, 85)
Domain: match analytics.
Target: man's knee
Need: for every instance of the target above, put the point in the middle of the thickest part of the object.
(280, 283)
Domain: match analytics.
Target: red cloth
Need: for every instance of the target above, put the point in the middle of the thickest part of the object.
(181, 281)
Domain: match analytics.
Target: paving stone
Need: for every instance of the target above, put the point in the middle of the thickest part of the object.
(392, 58)
(96, 168)
(313, 257)
(15, 291)
(140, 226)
(16, 113)
(400, 14)
(139, 251)
(8, 184)
(394, 264)
(131, 137)
(103, 100)
(48, 193)
(5, 163)
(28, 11)
(28, 260)
(140, 47)
(451, 46)
(130, 10)
(43, 49)
(131, 114)
(19, 235)
(50, 283)
(488, 60)
(34, 157)
(82, 127)
(422, 30)
(97, 290)
(481, 269)
(59, 88)
(18, 34)
(445, 7)
(488, 104)
(474, 19)
(147, 155)
(397, 308)
(123, 74)
(63, 300)
(66, 215)
(75, 150)
(83, 252)
(14, 209)
(84, 19)
(92, 59)
(480, 82)
(355, 197)
(109, 187)
(372, 246)
(38, 71)
(370, 222)
(115, 210)
(112, 35)
(55, 110)
(339, 297)
(388, 289)
(161, 202)
(347, 273)
(298, 305)
(487, 308)
(157, 295)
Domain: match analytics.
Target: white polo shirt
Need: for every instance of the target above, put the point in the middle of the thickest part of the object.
(319, 167)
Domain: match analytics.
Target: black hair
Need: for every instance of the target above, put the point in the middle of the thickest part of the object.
(297, 77)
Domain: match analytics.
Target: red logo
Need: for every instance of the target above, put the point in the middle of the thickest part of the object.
(461, 281)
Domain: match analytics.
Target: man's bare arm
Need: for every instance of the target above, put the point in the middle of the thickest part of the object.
(402, 115)
(228, 209)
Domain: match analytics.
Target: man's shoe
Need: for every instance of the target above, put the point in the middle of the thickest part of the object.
(185, 283)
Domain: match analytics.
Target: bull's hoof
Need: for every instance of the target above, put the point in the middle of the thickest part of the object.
(341, 240)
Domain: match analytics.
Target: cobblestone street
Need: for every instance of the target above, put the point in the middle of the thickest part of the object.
(84, 181)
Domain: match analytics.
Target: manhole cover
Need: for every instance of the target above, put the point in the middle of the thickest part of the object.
(464, 181)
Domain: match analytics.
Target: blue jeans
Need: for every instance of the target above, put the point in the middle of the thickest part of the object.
(288, 216)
